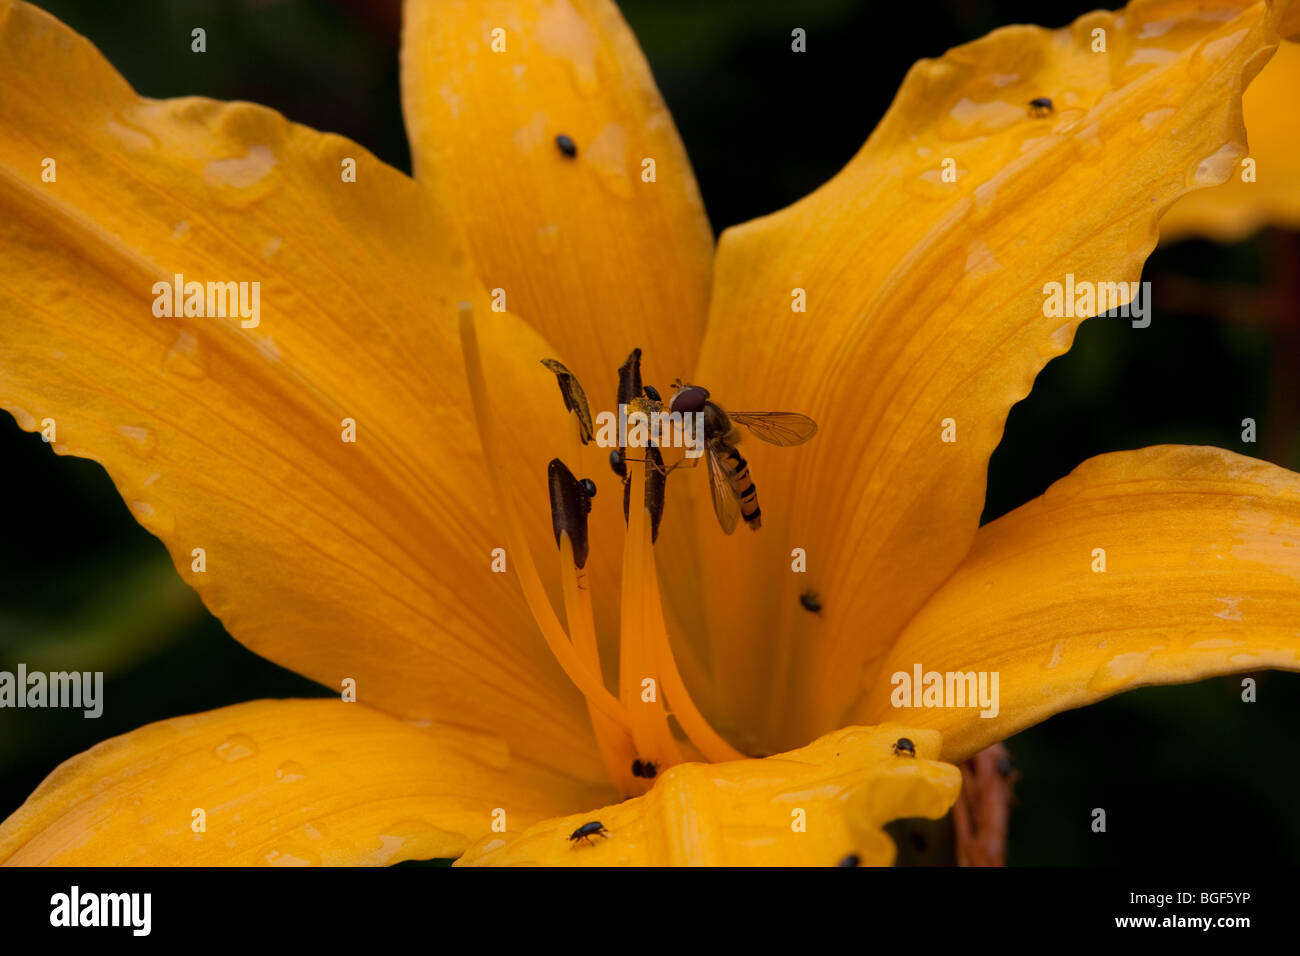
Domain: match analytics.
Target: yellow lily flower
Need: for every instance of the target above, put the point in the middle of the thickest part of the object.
(338, 475)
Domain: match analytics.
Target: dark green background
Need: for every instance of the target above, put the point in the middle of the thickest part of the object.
(1186, 774)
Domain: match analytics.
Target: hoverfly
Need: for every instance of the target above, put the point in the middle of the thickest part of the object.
(734, 495)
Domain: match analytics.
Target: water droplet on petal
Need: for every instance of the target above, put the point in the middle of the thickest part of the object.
(289, 771)
(1217, 167)
(292, 855)
(548, 238)
(1155, 28)
(1153, 119)
(240, 172)
(410, 840)
(1119, 671)
(184, 358)
(968, 119)
(564, 34)
(314, 831)
(134, 138)
(25, 419)
(142, 441)
(926, 182)
(980, 261)
(1207, 57)
(236, 747)
(607, 156)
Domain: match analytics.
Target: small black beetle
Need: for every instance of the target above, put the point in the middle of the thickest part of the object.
(587, 831)
(905, 746)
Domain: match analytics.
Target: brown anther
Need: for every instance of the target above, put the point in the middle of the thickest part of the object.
(575, 399)
(656, 480)
(570, 505)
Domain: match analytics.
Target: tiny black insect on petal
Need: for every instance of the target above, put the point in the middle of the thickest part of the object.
(810, 602)
(587, 831)
(905, 746)
(644, 768)
(567, 146)
(851, 860)
(1040, 106)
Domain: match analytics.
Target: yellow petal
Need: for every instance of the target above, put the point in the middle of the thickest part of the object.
(925, 307)
(1234, 210)
(1202, 577)
(280, 782)
(367, 560)
(810, 807)
(587, 251)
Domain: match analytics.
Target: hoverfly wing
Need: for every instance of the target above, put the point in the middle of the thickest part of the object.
(575, 399)
(725, 505)
(777, 428)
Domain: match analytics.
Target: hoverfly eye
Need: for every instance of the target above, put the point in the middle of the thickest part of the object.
(652, 393)
(690, 399)
(589, 487)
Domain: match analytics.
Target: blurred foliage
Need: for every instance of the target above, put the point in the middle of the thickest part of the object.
(1186, 774)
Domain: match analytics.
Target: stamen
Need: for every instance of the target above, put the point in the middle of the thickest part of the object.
(570, 505)
(649, 721)
(575, 399)
(587, 681)
(693, 723)
(632, 734)
(656, 481)
(629, 378)
(614, 740)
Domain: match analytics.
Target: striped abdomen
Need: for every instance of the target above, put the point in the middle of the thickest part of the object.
(741, 485)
